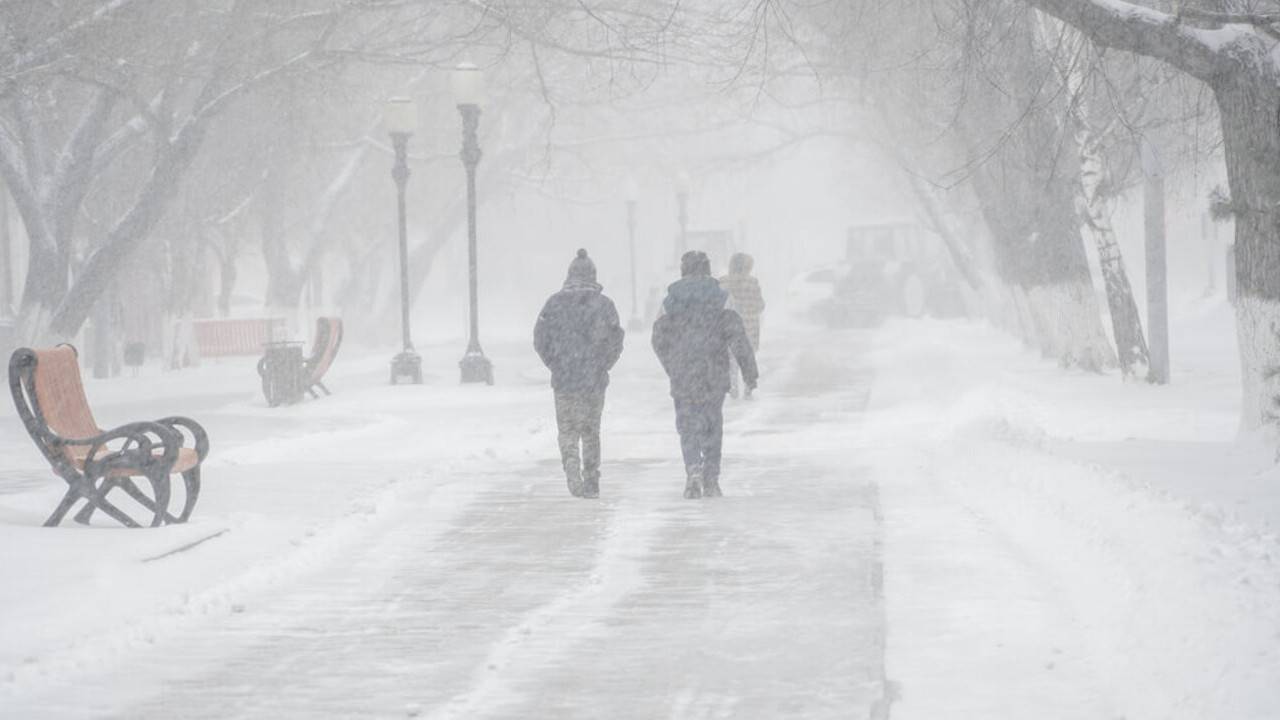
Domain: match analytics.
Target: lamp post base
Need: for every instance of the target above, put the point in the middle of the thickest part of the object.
(476, 368)
(406, 368)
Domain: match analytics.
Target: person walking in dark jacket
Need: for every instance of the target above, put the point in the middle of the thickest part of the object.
(579, 339)
(694, 339)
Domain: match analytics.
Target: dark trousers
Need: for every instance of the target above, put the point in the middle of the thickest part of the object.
(578, 418)
(701, 428)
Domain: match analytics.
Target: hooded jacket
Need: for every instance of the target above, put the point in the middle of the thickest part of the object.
(578, 335)
(694, 338)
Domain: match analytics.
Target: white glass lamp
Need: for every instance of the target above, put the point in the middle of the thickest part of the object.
(467, 83)
(401, 116)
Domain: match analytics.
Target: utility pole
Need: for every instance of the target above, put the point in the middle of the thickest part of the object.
(1157, 281)
(1209, 238)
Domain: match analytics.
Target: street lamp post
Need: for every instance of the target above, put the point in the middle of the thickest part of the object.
(468, 90)
(682, 209)
(632, 192)
(401, 120)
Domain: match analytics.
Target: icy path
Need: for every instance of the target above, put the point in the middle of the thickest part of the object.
(484, 591)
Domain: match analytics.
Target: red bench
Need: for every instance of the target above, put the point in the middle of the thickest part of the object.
(50, 399)
(327, 341)
(239, 336)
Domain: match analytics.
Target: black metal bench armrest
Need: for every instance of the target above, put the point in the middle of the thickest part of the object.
(198, 435)
(140, 441)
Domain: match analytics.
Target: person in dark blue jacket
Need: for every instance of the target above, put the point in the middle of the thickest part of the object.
(579, 339)
(694, 339)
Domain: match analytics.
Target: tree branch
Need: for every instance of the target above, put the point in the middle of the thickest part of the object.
(1137, 29)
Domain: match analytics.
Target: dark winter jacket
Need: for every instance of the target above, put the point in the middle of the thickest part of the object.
(579, 338)
(695, 337)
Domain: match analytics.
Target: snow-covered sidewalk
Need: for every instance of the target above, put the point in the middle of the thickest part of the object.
(1060, 545)
(413, 551)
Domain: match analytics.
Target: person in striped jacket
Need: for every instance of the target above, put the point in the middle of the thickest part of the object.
(745, 298)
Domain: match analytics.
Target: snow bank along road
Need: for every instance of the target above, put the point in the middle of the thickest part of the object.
(393, 552)
(1024, 578)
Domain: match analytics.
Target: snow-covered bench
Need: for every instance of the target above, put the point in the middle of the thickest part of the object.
(50, 399)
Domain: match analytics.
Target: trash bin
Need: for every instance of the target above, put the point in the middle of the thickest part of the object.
(282, 371)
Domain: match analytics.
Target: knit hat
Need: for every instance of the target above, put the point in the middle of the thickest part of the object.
(581, 271)
(695, 262)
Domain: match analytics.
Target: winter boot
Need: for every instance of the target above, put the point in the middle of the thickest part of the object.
(590, 488)
(693, 485)
(711, 488)
(573, 476)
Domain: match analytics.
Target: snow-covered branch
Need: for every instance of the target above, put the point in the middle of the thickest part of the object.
(1138, 29)
(53, 45)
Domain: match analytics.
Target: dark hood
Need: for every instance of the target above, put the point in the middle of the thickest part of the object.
(694, 294)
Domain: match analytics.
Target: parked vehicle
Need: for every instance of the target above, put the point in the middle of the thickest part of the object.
(890, 269)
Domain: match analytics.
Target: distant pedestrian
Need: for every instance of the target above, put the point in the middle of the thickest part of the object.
(579, 339)
(746, 299)
(694, 339)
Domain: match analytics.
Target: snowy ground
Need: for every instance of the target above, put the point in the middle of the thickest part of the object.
(1052, 545)
(398, 551)
(1060, 545)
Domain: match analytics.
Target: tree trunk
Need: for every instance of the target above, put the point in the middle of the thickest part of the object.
(1250, 111)
(1026, 175)
(1126, 322)
(1028, 203)
(284, 281)
(1041, 254)
(226, 282)
(961, 254)
(1240, 66)
(105, 263)
(45, 286)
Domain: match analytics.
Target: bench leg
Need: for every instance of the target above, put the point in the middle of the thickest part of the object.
(86, 512)
(192, 480)
(97, 500)
(160, 489)
(64, 506)
(159, 506)
(322, 387)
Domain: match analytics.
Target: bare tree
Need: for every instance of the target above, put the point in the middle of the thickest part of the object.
(51, 158)
(1231, 50)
